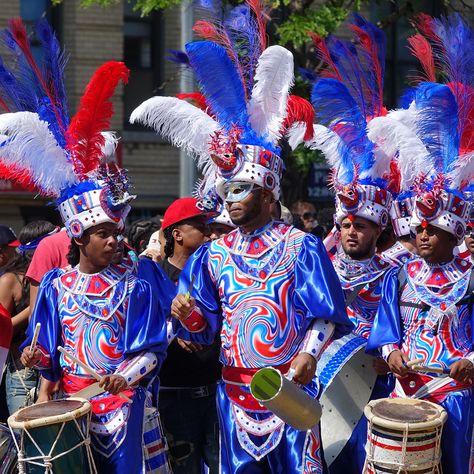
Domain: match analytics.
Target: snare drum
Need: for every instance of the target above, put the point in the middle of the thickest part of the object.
(54, 437)
(404, 436)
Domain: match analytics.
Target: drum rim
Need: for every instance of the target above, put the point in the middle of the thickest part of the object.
(51, 420)
(402, 425)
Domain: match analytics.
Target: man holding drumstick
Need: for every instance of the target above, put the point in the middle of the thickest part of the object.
(426, 310)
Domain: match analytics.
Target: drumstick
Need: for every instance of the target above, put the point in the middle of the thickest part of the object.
(190, 288)
(426, 369)
(35, 337)
(88, 369)
(413, 362)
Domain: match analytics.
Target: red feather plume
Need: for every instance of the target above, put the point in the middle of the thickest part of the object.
(394, 179)
(95, 111)
(197, 99)
(300, 110)
(420, 48)
(18, 175)
(324, 55)
(257, 7)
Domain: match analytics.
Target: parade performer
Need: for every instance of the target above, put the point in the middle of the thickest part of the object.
(99, 312)
(426, 308)
(344, 107)
(268, 288)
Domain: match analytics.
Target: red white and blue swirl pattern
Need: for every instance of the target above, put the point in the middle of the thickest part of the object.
(260, 326)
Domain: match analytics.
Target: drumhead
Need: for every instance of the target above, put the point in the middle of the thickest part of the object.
(49, 413)
(396, 413)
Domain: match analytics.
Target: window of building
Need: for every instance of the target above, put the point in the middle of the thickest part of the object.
(144, 55)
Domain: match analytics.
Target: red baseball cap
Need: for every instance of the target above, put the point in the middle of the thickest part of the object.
(180, 210)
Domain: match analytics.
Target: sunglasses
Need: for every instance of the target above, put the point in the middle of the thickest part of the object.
(308, 215)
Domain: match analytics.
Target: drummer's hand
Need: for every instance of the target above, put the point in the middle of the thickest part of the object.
(29, 358)
(380, 366)
(462, 371)
(113, 383)
(189, 346)
(181, 307)
(304, 365)
(396, 363)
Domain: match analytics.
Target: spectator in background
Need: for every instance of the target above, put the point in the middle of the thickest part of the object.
(15, 298)
(8, 245)
(220, 225)
(306, 211)
(139, 233)
(190, 372)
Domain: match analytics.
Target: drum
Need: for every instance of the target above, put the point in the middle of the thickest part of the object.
(7, 451)
(404, 436)
(346, 377)
(54, 437)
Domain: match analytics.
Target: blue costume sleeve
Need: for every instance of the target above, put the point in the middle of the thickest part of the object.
(205, 294)
(163, 288)
(387, 323)
(46, 313)
(318, 292)
(145, 323)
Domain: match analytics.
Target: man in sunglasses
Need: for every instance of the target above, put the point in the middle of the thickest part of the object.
(307, 213)
(270, 290)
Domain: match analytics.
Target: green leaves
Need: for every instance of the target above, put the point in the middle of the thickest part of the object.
(322, 20)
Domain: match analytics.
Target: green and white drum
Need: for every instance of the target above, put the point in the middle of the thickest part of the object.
(54, 437)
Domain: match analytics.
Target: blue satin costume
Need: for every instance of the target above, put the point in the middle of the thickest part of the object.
(103, 319)
(262, 291)
(366, 278)
(410, 330)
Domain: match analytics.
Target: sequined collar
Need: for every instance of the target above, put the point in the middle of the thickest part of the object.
(439, 286)
(397, 254)
(257, 243)
(355, 272)
(95, 284)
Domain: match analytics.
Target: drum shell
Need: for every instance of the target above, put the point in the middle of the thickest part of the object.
(403, 446)
(290, 402)
(71, 463)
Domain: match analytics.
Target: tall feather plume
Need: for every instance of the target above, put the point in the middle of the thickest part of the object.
(20, 176)
(398, 140)
(223, 88)
(54, 64)
(85, 140)
(30, 145)
(437, 124)
(422, 50)
(324, 55)
(267, 107)
(257, 8)
(338, 109)
(19, 36)
(462, 176)
(184, 125)
(337, 154)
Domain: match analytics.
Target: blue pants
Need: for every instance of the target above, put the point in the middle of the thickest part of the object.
(296, 452)
(127, 458)
(16, 391)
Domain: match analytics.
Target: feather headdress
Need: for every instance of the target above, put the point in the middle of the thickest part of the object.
(245, 107)
(42, 150)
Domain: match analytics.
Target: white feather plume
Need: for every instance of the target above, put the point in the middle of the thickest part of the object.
(273, 79)
(405, 116)
(109, 147)
(400, 142)
(180, 122)
(295, 134)
(328, 142)
(30, 145)
(463, 175)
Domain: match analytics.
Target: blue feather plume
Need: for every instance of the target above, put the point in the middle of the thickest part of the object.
(54, 64)
(179, 57)
(437, 124)
(220, 83)
(14, 92)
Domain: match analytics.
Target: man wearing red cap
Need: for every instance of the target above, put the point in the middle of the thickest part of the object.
(189, 375)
